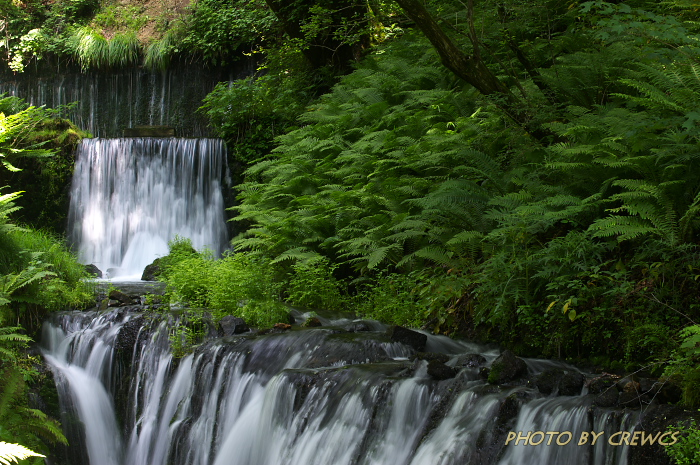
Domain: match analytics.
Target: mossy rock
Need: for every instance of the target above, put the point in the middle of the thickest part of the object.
(507, 367)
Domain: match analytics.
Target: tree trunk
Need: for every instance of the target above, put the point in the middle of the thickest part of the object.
(472, 69)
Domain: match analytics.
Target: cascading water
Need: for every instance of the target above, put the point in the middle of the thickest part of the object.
(130, 196)
(106, 103)
(318, 396)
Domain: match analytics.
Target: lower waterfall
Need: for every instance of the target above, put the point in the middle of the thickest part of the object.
(130, 196)
(327, 395)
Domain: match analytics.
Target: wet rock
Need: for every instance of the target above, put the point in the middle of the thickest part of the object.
(409, 337)
(439, 371)
(359, 327)
(312, 322)
(669, 393)
(607, 398)
(507, 367)
(602, 383)
(113, 303)
(510, 408)
(430, 356)
(291, 319)
(230, 325)
(548, 381)
(93, 270)
(649, 386)
(152, 271)
(483, 373)
(631, 399)
(281, 327)
(128, 335)
(104, 304)
(122, 298)
(470, 361)
(571, 383)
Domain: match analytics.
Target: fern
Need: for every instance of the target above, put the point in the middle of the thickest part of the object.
(10, 453)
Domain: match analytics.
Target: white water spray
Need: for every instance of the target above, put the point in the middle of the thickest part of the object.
(130, 196)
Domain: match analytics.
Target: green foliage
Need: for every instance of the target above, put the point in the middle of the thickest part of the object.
(216, 28)
(313, 286)
(160, 52)
(38, 132)
(179, 249)
(395, 299)
(129, 17)
(188, 331)
(237, 284)
(647, 343)
(379, 175)
(93, 50)
(246, 286)
(687, 450)
(14, 452)
(249, 113)
(19, 423)
(685, 364)
(189, 281)
(11, 340)
(13, 129)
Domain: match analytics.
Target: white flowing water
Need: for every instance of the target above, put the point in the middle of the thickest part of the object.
(130, 196)
(297, 399)
(106, 103)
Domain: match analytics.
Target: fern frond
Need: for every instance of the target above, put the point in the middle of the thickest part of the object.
(10, 453)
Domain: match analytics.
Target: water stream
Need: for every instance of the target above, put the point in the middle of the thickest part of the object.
(107, 102)
(314, 396)
(130, 196)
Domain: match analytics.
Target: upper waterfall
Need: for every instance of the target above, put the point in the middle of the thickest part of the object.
(130, 196)
(106, 103)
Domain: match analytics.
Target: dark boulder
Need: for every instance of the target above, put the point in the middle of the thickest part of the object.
(507, 367)
(430, 356)
(152, 271)
(93, 270)
(602, 383)
(230, 325)
(409, 337)
(122, 298)
(571, 383)
(439, 371)
(633, 400)
(359, 327)
(470, 361)
(607, 398)
(312, 322)
(548, 381)
(128, 335)
(669, 393)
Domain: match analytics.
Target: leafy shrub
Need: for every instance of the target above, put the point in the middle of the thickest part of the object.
(313, 285)
(395, 298)
(647, 343)
(246, 286)
(685, 365)
(189, 281)
(179, 249)
(237, 284)
(687, 450)
(249, 113)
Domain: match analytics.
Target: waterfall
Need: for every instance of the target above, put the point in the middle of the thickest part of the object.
(298, 398)
(130, 196)
(107, 102)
